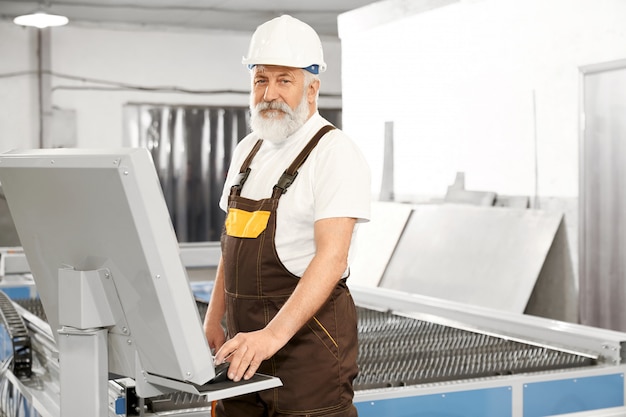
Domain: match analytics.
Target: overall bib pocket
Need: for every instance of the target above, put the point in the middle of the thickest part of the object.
(246, 224)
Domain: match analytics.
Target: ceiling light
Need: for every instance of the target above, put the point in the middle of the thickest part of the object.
(41, 20)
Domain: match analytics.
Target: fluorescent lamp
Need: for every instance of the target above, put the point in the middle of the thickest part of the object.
(40, 20)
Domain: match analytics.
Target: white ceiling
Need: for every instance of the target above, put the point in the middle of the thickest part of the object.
(238, 15)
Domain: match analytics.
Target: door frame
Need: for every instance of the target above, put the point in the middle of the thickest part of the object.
(585, 71)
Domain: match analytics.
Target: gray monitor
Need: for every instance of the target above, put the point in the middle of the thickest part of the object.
(103, 210)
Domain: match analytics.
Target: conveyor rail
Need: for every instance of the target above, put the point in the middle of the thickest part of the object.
(20, 339)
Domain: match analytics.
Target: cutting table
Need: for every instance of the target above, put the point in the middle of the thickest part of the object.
(422, 356)
(418, 356)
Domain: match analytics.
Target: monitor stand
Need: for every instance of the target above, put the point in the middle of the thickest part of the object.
(85, 317)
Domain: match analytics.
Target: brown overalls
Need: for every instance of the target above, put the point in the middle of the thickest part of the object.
(318, 365)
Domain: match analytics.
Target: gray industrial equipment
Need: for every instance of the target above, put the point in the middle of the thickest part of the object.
(102, 249)
(423, 356)
(420, 355)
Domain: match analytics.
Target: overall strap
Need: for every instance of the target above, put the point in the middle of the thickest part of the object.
(244, 171)
(287, 178)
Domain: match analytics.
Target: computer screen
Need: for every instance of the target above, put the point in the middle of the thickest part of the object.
(90, 210)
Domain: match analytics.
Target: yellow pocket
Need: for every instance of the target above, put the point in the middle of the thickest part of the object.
(241, 223)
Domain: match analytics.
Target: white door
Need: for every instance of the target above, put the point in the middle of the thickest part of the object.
(602, 251)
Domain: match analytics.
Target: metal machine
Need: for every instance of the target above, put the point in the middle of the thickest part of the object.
(104, 257)
(437, 357)
(420, 355)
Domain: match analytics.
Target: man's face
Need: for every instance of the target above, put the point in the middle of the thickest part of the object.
(280, 102)
(271, 83)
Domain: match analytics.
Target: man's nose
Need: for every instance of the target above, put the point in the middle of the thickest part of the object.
(271, 92)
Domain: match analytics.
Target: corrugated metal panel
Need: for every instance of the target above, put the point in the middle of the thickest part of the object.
(191, 147)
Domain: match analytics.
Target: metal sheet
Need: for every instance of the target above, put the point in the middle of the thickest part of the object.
(486, 256)
(573, 395)
(493, 402)
(376, 241)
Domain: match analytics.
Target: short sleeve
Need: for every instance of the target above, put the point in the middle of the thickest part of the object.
(342, 185)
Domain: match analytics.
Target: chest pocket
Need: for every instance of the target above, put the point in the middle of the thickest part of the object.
(246, 224)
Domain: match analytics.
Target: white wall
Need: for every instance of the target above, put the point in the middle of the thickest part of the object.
(192, 60)
(18, 88)
(462, 82)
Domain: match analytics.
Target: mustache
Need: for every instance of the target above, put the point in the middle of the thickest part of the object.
(274, 105)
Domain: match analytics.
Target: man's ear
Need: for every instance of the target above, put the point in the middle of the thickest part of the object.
(312, 91)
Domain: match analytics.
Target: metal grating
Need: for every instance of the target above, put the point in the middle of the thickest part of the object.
(398, 351)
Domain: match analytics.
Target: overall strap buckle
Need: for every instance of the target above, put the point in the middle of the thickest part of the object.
(291, 173)
(285, 182)
(240, 181)
(244, 171)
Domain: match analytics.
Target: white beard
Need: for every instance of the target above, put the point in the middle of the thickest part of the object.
(278, 125)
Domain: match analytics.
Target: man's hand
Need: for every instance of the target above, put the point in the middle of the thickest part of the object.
(215, 335)
(246, 351)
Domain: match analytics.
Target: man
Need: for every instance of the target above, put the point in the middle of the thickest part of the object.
(295, 190)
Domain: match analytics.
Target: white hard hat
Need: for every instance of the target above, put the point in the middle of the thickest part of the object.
(286, 41)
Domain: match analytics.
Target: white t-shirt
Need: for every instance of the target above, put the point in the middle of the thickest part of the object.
(333, 182)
